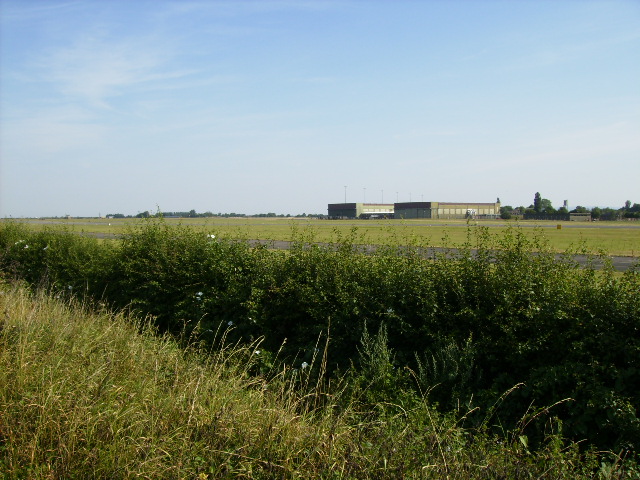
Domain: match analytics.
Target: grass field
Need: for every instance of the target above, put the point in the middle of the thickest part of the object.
(615, 238)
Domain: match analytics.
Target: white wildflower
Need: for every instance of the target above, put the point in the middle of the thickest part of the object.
(257, 352)
(230, 323)
(304, 365)
(46, 248)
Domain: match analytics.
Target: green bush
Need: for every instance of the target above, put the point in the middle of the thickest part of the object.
(61, 260)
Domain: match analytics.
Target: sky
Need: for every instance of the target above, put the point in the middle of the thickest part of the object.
(285, 106)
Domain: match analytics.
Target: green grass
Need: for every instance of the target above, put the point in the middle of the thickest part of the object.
(597, 236)
(85, 393)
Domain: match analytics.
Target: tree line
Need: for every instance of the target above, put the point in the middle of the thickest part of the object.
(208, 214)
(543, 206)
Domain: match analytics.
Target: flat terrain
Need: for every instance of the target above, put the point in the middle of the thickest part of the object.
(614, 238)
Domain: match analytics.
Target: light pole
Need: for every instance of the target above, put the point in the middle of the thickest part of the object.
(345, 194)
(381, 196)
(364, 195)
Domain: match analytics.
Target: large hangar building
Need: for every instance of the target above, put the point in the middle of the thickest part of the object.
(410, 210)
(446, 210)
(360, 210)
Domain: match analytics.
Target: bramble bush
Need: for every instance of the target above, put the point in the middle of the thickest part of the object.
(462, 327)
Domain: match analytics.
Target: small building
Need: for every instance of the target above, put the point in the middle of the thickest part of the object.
(579, 217)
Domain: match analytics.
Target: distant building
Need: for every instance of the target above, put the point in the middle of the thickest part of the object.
(409, 210)
(446, 210)
(360, 210)
(580, 217)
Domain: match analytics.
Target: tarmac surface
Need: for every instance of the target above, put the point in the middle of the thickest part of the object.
(618, 263)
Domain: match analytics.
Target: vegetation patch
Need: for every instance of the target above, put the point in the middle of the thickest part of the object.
(86, 394)
(497, 341)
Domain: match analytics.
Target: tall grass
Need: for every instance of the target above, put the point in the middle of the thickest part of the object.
(92, 394)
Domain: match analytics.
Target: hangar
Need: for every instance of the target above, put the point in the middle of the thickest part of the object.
(360, 210)
(409, 210)
(446, 210)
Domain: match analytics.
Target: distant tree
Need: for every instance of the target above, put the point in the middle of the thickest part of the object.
(627, 205)
(537, 203)
(506, 212)
(609, 214)
(580, 209)
(563, 210)
(546, 206)
(632, 211)
(596, 213)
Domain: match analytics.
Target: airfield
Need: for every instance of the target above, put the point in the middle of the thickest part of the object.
(617, 241)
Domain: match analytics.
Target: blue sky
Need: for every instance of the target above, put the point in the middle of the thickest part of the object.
(276, 106)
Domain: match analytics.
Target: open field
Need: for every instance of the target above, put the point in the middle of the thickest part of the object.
(615, 238)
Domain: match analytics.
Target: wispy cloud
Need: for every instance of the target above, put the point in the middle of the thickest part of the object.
(233, 8)
(583, 45)
(585, 149)
(96, 68)
(52, 130)
(422, 133)
(30, 11)
(315, 80)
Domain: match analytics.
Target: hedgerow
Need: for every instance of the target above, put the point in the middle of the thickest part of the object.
(462, 327)
(93, 394)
